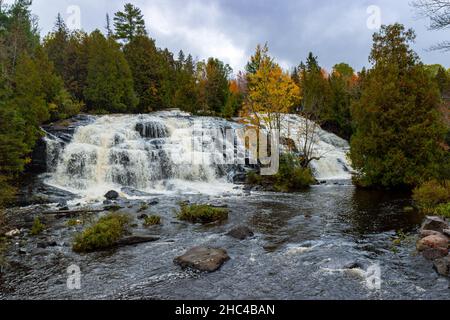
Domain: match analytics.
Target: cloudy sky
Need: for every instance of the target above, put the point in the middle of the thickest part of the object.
(334, 30)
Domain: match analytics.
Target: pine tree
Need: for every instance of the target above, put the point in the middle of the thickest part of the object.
(129, 23)
(144, 60)
(109, 83)
(398, 128)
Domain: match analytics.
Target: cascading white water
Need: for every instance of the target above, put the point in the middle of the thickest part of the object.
(161, 152)
(169, 151)
(332, 150)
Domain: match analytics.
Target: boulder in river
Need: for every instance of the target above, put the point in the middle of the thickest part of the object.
(427, 233)
(433, 247)
(203, 259)
(435, 224)
(442, 266)
(241, 233)
(112, 195)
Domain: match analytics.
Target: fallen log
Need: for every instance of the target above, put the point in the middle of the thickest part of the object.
(71, 213)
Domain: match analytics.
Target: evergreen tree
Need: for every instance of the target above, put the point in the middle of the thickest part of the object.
(398, 128)
(109, 83)
(144, 60)
(129, 23)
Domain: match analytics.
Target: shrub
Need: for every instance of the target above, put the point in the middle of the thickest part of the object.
(152, 221)
(202, 213)
(103, 234)
(443, 210)
(291, 176)
(143, 207)
(73, 222)
(37, 227)
(431, 194)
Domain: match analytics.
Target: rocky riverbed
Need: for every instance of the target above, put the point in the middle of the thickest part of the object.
(319, 244)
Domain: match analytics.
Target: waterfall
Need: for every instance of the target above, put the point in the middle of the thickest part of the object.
(160, 152)
(168, 151)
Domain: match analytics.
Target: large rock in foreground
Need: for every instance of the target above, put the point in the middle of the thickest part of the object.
(433, 246)
(203, 259)
(442, 266)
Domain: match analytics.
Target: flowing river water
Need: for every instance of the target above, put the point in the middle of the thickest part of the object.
(317, 244)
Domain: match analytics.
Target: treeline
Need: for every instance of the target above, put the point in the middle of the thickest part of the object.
(392, 112)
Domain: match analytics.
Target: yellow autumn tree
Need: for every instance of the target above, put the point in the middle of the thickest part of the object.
(271, 94)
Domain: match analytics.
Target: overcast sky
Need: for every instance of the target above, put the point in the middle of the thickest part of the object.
(334, 30)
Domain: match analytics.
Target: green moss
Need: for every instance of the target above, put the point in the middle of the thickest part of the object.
(443, 210)
(37, 228)
(152, 221)
(103, 234)
(202, 213)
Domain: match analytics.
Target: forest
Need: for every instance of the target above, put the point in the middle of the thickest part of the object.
(395, 113)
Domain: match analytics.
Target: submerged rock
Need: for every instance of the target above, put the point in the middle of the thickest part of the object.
(435, 224)
(112, 195)
(241, 233)
(136, 239)
(442, 266)
(203, 259)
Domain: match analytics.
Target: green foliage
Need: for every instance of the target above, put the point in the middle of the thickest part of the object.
(291, 176)
(152, 221)
(73, 222)
(37, 228)
(129, 23)
(103, 234)
(109, 83)
(145, 64)
(431, 194)
(443, 210)
(143, 207)
(398, 127)
(213, 78)
(202, 213)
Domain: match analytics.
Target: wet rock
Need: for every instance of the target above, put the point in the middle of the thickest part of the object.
(427, 233)
(434, 253)
(136, 239)
(142, 216)
(64, 208)
(12, 233)
(241, 233)
(22, 251)
(153, 203)
(46, 244)
(433, 242)
(112, 195)
(134, 192)
(442, 266)
(107, 202)
(446, 232)
(113, 207)
(435, 224)
(353, 265)
(203, 259)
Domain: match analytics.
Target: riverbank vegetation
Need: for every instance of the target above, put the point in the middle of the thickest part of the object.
(395, 113)
(433, 197)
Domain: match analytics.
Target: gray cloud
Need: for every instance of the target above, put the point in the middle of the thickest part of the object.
(336, 31)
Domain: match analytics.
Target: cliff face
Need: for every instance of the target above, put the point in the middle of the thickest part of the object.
(63, 132)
